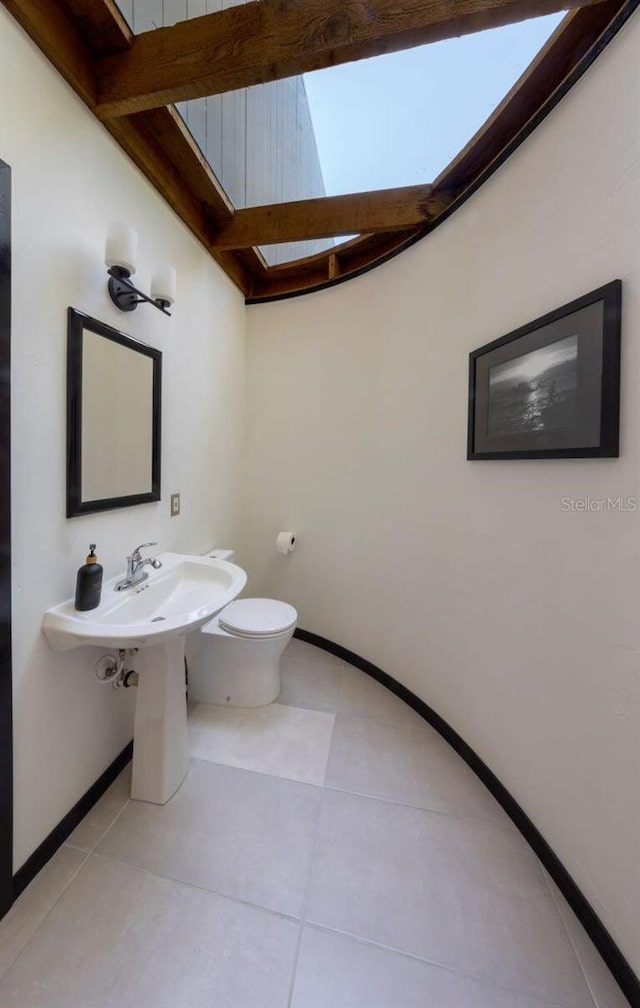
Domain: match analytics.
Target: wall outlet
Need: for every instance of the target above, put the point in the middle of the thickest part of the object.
(175, 505)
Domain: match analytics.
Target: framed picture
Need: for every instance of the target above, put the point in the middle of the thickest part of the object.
(551, 389)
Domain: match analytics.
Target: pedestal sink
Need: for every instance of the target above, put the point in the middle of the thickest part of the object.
(155, 616)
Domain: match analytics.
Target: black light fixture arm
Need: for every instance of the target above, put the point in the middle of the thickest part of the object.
(126, 297)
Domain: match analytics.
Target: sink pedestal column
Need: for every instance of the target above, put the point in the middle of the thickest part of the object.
(160, 739)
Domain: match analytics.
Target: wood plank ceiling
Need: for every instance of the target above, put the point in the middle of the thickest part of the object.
(130, 83)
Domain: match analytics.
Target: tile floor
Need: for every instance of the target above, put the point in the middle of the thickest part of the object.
(328, 850)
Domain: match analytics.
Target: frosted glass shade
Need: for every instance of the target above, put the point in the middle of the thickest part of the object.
(163, 284)
(122, 247)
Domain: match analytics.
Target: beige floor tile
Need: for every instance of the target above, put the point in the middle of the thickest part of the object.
(278, 740)
(311, 685)
(299, 653)
(241, 834)
(362, 696)
(96, 823)
(461, 893)
(28, 912)
(337, 972)
(406, 764)
(603, 987)
(121, 937)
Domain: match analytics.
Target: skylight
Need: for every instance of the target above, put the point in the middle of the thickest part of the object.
(382, 148)
(378, 123)
(399, 119)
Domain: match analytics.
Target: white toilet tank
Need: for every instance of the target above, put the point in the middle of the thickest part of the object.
(221, 554)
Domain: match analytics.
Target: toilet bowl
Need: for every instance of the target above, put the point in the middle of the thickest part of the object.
(238, 661)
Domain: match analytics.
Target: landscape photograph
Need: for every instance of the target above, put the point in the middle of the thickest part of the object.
(536, 391)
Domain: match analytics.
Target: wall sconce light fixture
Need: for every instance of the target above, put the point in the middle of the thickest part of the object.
(120, 258)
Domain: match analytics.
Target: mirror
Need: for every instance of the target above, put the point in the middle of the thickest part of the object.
(113, 418)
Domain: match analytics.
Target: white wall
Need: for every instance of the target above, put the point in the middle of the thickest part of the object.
(466, 581)
(69, 181)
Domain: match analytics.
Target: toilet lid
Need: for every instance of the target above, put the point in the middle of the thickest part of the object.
(257, 617)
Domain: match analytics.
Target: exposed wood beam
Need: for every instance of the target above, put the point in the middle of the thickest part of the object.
(270, 39)
(172, 135)
(142, 147)
(100, 24)
(253, 263)
(317, 271)
(334, 267)
(47, 24)
(332, 216)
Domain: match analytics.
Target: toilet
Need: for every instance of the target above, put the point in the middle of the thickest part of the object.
(237, 662)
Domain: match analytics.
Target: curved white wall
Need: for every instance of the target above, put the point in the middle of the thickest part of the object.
(518, 622)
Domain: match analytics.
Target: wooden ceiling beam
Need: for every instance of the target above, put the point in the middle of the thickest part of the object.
(332, 216)
(318, 271)
(267, 40)
(171, 133)
(100, 24)
(50, 28)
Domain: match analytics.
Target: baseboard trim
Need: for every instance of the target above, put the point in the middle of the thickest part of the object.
(620, 969)
(66, 826)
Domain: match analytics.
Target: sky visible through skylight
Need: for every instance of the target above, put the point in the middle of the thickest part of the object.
(399, 119)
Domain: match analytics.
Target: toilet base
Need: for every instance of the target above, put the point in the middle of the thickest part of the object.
(232, 672)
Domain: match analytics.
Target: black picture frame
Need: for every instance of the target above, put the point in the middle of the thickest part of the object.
(550, 389)
(78, 322)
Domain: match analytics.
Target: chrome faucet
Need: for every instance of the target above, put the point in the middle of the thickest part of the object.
(135, 568)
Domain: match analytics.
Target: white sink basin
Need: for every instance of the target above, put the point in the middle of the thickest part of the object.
(179, 597)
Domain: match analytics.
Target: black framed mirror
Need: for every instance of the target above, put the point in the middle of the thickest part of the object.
(114, 391)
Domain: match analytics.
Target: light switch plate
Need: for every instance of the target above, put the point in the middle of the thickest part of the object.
(175, 505)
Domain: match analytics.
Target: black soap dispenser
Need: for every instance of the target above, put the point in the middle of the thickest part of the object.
(89, 583)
